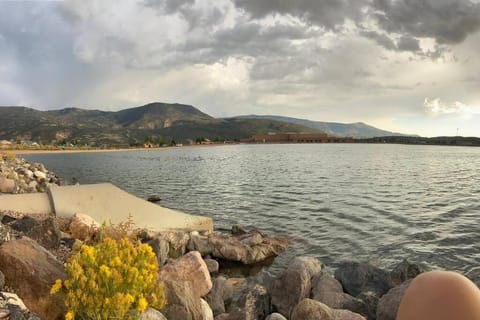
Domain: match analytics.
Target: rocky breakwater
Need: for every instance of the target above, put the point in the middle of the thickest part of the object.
(17, 175)
(33, 250)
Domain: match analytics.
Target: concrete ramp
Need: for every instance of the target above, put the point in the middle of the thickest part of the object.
(107, 203)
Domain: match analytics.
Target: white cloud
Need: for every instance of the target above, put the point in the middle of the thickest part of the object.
(437, 107)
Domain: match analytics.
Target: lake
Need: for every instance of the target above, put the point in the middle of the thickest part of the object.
(368, 202)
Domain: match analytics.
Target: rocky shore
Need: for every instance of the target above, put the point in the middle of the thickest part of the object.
(193, 268)
(17, 175)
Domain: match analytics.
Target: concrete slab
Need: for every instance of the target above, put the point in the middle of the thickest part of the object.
(106, 202)
(26, 203)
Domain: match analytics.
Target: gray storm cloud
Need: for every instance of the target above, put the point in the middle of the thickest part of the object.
(344, 60)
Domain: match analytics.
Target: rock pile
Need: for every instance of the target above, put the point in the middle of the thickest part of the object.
(17, 175)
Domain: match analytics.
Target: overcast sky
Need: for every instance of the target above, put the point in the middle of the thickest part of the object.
(411, 66)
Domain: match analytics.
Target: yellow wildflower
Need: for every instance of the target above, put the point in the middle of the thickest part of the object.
(56, 286)
(69, 315)
(142, 304)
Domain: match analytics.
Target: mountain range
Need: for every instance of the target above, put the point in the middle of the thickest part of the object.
(177, 122)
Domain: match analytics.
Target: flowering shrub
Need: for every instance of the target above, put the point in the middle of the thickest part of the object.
(110, 280)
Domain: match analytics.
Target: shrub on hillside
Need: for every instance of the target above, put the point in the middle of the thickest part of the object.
(113, 279)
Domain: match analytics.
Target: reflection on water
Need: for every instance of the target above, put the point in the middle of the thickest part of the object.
(377, 203)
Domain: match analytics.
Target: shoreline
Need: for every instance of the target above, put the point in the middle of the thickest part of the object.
(43, 151)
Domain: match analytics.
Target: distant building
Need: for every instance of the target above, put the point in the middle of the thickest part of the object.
(298, 138)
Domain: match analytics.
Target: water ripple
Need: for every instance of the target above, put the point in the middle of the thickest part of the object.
(336, 202)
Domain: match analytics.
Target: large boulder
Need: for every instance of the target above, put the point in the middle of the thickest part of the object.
(309, 309)
(7, 185)
(247, 248)
(191, 268)
(390, 302)
(357, 277)
(370, 299)
(254, 304)
(220, 295)
(329, 291)
(31, 270)
(46, 233)
(182, 302)
(294, 284)
(151, 314)
(83, 227)
(404, 271)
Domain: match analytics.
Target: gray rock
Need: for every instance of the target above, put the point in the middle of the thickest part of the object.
(154, 198)
(177, 242)
(275, 316)
(404, 271)
(371, 301)
(7, 185)
(220, 295)
(388, 304)
(161, 248)
(328, 290)
(294, 284)
(248, 248)
(6, 219)
(46, 233)
(223, 316)
(151, 314)
(238, 230)
(309, 309)
(254, 304)
(192, 268)
(200, 243)
(357, 277)
(24, 224)
(212, 265)
(182, 303)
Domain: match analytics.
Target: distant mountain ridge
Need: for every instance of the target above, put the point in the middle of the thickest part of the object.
(177, 122)
(354, 130)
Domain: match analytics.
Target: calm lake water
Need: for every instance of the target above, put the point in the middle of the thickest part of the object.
(377, 203)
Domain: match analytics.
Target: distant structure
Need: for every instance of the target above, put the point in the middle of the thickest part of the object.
(299, 138)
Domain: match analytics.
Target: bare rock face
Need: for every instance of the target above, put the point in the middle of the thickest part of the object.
(388, 305)
(182, 303)
(294, 284)
(329, 291)
(191, 268)
(31, 270)
(207, 312)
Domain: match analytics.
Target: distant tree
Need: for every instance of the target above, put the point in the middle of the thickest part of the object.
(159, 140)
(148, 139)
(173, 143)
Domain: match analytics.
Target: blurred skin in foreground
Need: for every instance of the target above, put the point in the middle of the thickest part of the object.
(440, 295)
